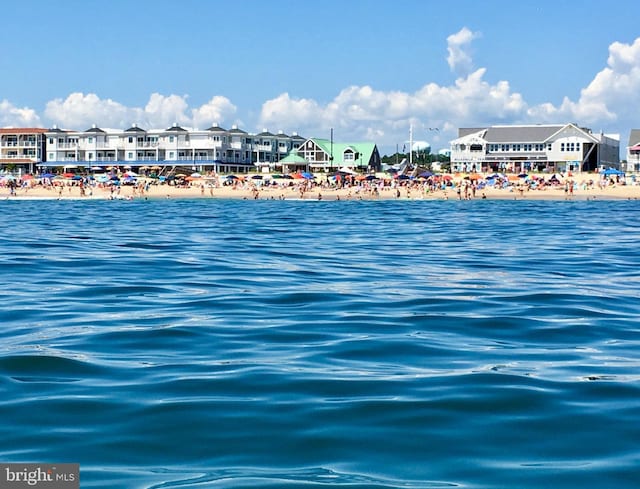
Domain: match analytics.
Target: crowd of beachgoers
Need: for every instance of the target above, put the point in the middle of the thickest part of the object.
(461, 186)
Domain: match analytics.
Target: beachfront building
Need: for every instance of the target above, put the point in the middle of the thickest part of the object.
(166, 150)
(21, 149)
(538, 148)
(633, 152)
(316, 154)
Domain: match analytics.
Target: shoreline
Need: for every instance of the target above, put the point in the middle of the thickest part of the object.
(155, 192)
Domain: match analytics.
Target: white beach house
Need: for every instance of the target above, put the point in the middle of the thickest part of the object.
(522, 148)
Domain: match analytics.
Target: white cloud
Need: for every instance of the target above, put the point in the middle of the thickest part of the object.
(79, 111)
(12, 116)
(459, 58)
(214, 111)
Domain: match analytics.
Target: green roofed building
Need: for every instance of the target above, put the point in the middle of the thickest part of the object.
(324, 155)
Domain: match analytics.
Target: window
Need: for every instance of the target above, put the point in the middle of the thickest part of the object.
(51, 156)
(51, 140)
(504, 147)
(549, 146)
(577, 146)
(130, 155)
(90, 140)
(171, 155)
(130, 139)
(561, 146)
(516, 147)
(171, 140)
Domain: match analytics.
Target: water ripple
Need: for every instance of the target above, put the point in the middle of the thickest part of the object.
(315, 344)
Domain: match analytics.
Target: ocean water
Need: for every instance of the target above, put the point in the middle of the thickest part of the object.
(306, 344)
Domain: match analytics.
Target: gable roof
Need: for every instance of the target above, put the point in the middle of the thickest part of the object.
(293, 158)
(634, 137)
(22, 130)
(465, 131)
(365, 149)
(521, 134)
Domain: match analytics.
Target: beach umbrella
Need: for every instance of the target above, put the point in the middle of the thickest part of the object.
(195, 175)
(306, 175)
(426, 174)
(47, 175)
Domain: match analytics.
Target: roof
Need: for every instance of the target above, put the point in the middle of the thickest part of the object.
(265, 134)
(293, 158)
(634, 137)
(175, 128)
(95, 129)
(521, 134)
(235, 130)
(216, 128)
(364, 148)
(135, 129)
(465, 131)
(22, 130)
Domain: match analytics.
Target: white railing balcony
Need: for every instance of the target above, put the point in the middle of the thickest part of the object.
(66, 145)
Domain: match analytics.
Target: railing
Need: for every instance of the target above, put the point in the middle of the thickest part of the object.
(18, 157)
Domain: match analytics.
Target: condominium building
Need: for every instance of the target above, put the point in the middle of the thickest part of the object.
(521, 148)
(633, 152)
(215, 148)
(21, 149)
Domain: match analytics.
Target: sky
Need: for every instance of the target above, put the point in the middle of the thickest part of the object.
(364, 70)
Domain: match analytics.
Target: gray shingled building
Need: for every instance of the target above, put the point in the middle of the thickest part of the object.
(523, 148)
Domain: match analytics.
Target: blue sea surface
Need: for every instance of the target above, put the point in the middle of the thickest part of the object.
(305, 344)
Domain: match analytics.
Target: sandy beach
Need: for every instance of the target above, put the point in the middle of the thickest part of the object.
(304, 190)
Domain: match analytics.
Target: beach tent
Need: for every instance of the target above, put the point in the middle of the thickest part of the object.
(611, 171)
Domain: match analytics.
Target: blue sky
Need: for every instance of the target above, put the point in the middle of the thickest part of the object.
(367, 69)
